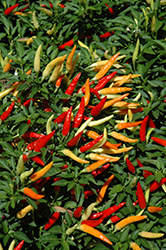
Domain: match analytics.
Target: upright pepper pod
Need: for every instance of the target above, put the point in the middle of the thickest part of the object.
(104, 80)
(97, 109)
(5, 115)
(142, 131)
(35, 21)
(90, 145)
(69, 61)
(74, 140)
(67, 122)
(79, 116)
(37, 59)
(141, 197)
(69, 91)
(52, 220)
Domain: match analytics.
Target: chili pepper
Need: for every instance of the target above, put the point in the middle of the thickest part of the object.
(7, 67)
(57, 187)
(113, 90)
(88, 193)
(47, 11)
(35, 21)
(25, 174)
(146, 172)
(27, 103)
(57, 70)
(130, 166)
(29, 134)
(11, 246)
(125, 111)
(142, 131)
(95, 92)
(115, 219)
(84, 125)
(71, 87)
(106, 34)
(90, 230)
(61, 117)
(153, 24)
(92, 223)
(100, 121)
(51, 31)
(77, 212)
(10, 9)
(97, 109)
(94, 166)
(52, 220)
(66, 125)
(121, 224)
(74, 63)
(64, 167)
(93, 135)
(122, 137)
(122, 81)
(150, 235)
(151, 123)
(153, 209)
(106, 67)
(37, 59)
(69, 43)
(41, 172)
(134, 246)
(59, 81)
(89, 145)
(103, 189)
(69, 153)
(95, 215)
(50, 66)
(100, 170)
(24, 8)
(141, 197)
(69, 61)
(48, 124)
(159, 140)
(79, 116)
(124, 125)
(113, 101)
(20, 165)
(155, 185)
(110, 9)
(30, 193)
(82, 89)
(49, 4)
(107, 212)
(23, 212)
(5, 115)
(74, 140)
(87, 92)
(104, 80)
(40, 143)
(20, 245)
(98, 157)
(30, 40)
(111, 151)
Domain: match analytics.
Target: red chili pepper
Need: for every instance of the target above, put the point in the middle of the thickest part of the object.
(95, 215)
(107, 212)
(88, 193)
(56, 187)
(69, 43)
(151, 123)
(74, 140)
(159, 140)
(146, 172)
(64, 167)
(104, 80)
(24, 8)
(37, 160)
(110, 9)
(107, 34)
(115, 219)
(100, 170)
(19, 246)
(142, 131)
(40, 183)
(141, 197)
(10, 9)
(92, 223)
(61, 117)
(5, 115)
(130, 166)
(79, 116)
(89, 145)
(27, 103)
(59, 80)
(69, 91)
(40, 143)
(46, 106)
(93, 91)
(82, 89)
(66, 125)
(52, 220)
(61, 5)
(97, 109)
(85, 118)
(135, 203)
(77, 212)
(46, 6)
(155, 185)
(28, 135)
(29, 121)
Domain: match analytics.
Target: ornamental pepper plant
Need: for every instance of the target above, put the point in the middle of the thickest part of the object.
(83, 125)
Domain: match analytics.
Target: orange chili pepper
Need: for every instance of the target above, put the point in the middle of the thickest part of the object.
(103, 189)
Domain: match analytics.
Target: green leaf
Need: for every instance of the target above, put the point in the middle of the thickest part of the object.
(23, 128)
(116, 189)
(21, 236)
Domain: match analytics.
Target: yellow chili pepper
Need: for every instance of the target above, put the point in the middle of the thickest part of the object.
(47, 11)
(122, 137)
(50, 66)
(37, 59)
(35, 21)
(51, 31)
(100, 121)
(69, 61)
(57, 69)
(20, 165)
(69, 153)
(111, 151)
(23, 212)
(87, 92)
(37, 175)
(11, 246)
(134, 246)
(150, 235)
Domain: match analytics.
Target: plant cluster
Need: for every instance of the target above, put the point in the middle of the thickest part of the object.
(82, 124)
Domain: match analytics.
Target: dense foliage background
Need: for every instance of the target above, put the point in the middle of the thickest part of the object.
(99, 29)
